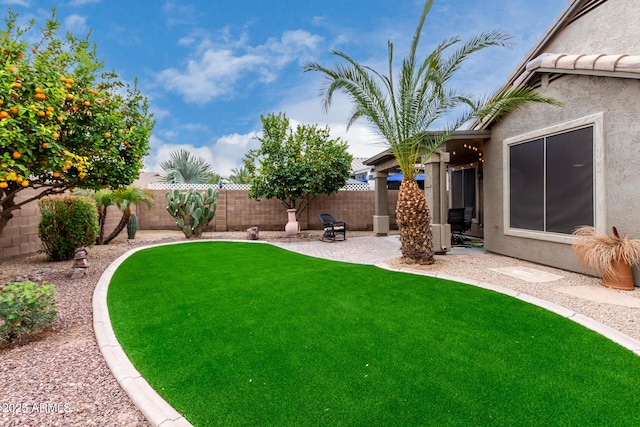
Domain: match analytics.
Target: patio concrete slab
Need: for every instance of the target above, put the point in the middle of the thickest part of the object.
(527, 274)
(603, 295)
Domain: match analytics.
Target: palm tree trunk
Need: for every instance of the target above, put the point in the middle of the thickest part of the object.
(102, 216)
(126, 214)
(414, 223)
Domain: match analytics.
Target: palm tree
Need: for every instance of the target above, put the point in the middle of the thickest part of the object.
(104, 199)
(183, 168)
(240, 176)
(124, 199)
(404, 112)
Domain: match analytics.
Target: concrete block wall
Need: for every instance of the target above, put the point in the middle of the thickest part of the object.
(20, 236)
(234, 212)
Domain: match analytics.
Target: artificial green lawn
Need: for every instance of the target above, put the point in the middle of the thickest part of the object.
(240, 334)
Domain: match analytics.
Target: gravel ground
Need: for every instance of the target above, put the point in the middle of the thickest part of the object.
(60, 378)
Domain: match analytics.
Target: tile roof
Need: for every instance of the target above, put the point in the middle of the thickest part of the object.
(622, 65)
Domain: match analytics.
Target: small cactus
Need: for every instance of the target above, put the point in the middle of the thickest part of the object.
(192, 210)
(132, 227)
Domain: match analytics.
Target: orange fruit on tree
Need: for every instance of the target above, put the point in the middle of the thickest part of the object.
(55, 135)
(69, 96)
(44, 145)
(60, 118)
(25, 183)
(56, 175)
(16, 155)
(107, 135)
(14, 110)
(41, 113)
(3, 184)
(4, 114)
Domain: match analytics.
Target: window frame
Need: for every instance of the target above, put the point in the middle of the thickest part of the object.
(599, 209)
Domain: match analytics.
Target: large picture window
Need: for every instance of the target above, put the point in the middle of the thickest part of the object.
(551, 182)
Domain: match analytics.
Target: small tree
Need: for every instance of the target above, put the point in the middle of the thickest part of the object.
(63, 123)
(296, 166)
(124, 199)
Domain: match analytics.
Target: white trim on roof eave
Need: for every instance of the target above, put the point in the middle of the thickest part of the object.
(599, 73)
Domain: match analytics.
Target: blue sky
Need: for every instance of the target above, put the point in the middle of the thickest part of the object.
(210, 68)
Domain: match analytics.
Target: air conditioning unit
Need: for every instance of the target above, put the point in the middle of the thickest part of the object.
(441, 238)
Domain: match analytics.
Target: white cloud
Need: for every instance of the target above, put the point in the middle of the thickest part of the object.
(76, 24)
(305, 107)
(214, 70)
(82, 2)
(224, 154)
(24, 3)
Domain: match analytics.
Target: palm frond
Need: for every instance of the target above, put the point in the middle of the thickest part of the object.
(184, 168)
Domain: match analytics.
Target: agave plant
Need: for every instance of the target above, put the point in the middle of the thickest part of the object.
(599, 252)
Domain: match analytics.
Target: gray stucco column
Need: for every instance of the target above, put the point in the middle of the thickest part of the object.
(381, 213)
(436, 193)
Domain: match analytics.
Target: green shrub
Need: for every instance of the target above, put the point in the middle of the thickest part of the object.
(25, 307)
(66, 224)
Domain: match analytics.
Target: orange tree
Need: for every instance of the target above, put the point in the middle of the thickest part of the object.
(296, 166)
(64, 122)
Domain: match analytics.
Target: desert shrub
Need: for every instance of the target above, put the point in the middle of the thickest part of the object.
(25, 307)
(66, 224)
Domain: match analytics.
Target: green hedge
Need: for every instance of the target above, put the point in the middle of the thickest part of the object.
(66, 224)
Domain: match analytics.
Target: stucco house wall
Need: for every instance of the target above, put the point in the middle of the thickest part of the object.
(610, 98)
(610, 28)
(618, 102)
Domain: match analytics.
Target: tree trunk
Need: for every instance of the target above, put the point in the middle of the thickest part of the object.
(102, 216)
(8, 205)
(414, 223)
(121, 225)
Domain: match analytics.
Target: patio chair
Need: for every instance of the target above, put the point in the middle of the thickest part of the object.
(332, 228)
(460, 221)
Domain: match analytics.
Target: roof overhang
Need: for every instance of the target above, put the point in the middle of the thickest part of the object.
(386, 160)
(619, 66)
